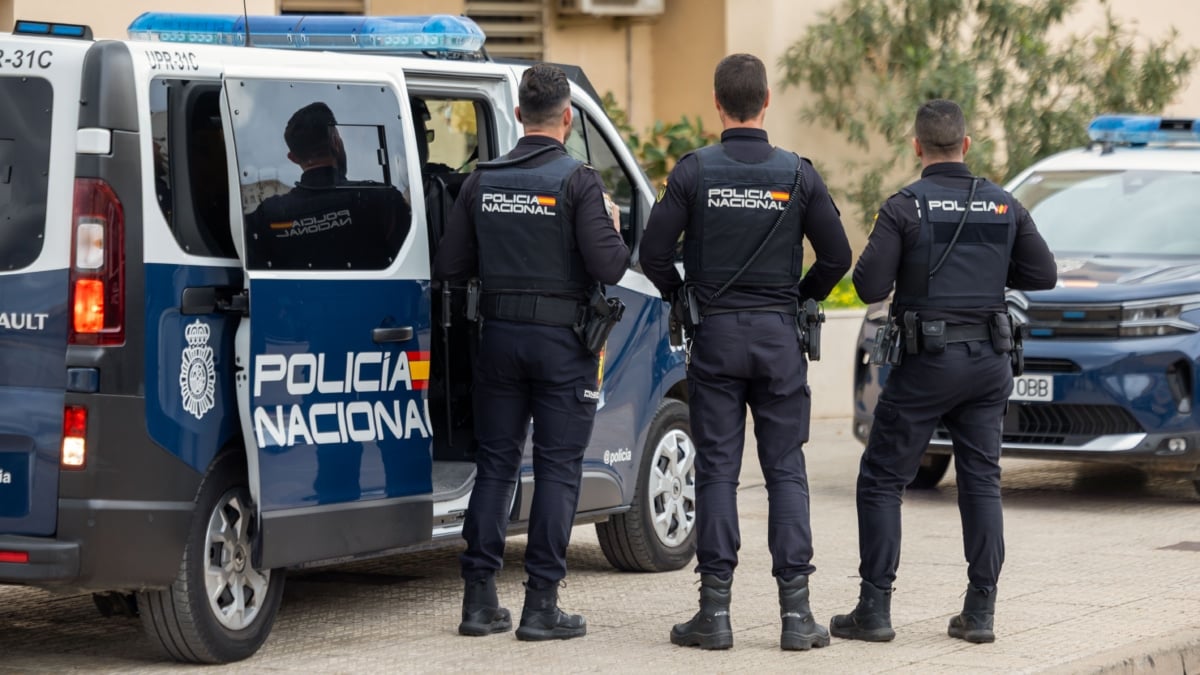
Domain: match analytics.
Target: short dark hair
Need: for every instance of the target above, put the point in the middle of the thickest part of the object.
(309, 132)
(940, 126)
(740, 82)
(543, 94)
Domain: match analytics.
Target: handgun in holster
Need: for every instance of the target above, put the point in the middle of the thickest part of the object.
(597, 319)
(887, 348)
(808, 324)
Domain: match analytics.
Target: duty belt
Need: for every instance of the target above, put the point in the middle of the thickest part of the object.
(531, 308)
(789, 309)
(968, 333)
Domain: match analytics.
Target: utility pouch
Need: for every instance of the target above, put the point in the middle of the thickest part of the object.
(692, 308)
(911, 344)
(474, 294)
(808, 323)
(598, 318)
(1001, 330)
(933, 336)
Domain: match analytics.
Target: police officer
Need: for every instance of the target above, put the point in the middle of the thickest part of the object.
(949, 243)
(728, 201)
(536, 227)
(326, 221)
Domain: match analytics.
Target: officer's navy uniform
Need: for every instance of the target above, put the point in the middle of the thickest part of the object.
(325, 222)
(725, 199)
(966, 385)
(538, 235)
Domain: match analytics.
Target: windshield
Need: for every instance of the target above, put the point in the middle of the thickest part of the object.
(1115, 212)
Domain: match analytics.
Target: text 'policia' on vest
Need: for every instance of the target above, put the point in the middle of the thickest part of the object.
(522, 221)
(738, 205)
(975, 272)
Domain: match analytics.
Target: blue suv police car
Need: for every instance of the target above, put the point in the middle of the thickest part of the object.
(1111, 353)
(198, 391)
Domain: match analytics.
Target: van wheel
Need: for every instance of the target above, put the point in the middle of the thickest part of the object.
(219, 609)
(933, 468)
(658, 533)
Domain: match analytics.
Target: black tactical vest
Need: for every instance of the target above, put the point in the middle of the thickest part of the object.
(976, 270)
(737, 203)
(526, 237)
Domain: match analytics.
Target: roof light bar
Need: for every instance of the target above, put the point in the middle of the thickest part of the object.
(70, 30)
(1143, 129)
(395, 34)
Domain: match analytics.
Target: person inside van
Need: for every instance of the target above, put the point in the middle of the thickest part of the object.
(325, 221)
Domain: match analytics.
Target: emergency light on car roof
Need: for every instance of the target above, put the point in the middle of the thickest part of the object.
(71, 30)
(396, 34)
(1142, 129)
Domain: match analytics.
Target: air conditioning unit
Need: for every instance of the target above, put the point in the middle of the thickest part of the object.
(611, 7)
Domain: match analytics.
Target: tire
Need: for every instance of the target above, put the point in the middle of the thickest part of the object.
(658, 532)
(933, 468)
(182, 619)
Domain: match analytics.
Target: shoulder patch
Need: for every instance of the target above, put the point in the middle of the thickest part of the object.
(662, 191)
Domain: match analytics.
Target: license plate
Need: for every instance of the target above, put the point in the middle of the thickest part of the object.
(1033, 388)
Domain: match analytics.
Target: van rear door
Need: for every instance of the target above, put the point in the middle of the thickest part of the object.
(335, 351)
(39, 109)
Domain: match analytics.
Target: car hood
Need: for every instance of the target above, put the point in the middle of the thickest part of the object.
(1083, 278)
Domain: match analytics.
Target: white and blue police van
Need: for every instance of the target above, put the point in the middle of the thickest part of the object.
(184, 417)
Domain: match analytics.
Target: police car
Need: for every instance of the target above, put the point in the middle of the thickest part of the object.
(185, 415)
(1111, 353)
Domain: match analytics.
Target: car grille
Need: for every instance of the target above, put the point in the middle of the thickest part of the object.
(1044, 365)
(1066, 424)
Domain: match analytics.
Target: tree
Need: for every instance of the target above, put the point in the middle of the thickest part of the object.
(1027, 87)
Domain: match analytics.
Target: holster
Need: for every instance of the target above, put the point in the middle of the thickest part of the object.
(808, 326)
(680, 317)
(599, 317)
(886, 350)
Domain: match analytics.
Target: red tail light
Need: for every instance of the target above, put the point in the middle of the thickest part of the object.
(97, 265)
(74, 442)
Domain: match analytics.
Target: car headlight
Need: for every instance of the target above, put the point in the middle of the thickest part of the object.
(1148, 318)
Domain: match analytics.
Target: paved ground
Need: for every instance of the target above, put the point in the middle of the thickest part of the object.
(1103, 570)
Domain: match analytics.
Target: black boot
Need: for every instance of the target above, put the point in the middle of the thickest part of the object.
(871, 620)
(709, 628)
(975, 622)
(541, 619)
(800, 631)
(481, 610)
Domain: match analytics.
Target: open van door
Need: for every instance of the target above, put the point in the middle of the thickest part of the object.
(334, 352)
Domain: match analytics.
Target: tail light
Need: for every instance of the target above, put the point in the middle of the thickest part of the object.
(74, 443)
(97, 265)
(19, 557)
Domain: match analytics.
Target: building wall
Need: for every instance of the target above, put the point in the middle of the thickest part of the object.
(400, 7)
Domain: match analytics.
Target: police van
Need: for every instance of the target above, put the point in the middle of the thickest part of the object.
(187, 412)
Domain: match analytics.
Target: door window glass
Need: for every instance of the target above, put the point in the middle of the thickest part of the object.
(25, 105)
(323, 174)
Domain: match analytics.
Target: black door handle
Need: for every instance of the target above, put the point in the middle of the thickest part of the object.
(400, 334)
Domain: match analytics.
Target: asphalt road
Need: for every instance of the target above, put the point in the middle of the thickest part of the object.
(1103, 564)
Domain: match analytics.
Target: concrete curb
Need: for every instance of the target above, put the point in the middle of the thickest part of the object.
(1177, 654)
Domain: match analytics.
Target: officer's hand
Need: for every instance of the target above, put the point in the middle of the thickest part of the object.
(613, 211)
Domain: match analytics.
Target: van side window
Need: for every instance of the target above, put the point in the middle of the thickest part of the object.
(324, 181)
(586, 143)
(191, 176)
(25, 107)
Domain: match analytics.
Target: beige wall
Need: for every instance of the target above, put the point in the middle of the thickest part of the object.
(616, 55)
(110, 19)
(395, 7)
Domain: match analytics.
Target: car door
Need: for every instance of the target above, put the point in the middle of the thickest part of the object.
(334, 352)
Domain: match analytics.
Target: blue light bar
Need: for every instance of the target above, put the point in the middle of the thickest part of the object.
(70, 30)
(1143, 129)
(395, 34)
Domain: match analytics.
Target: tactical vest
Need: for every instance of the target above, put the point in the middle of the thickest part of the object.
(526, 237)
(976, 270)
(737, 203)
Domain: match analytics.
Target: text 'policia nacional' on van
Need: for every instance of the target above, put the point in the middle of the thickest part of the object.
(200, 389)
